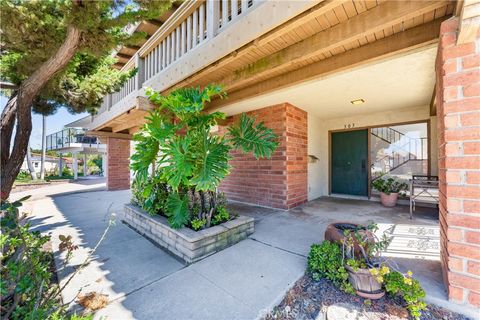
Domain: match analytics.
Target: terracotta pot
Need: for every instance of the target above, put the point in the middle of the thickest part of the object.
(389, 200)
(364, 283)
(334, 233)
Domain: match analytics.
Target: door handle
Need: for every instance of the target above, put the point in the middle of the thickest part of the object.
(364, 165)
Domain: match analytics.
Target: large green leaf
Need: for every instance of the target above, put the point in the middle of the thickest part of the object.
(146, 151)
(159, 125)
(185, 102)
(177, 210)
(177, 163)
(248, 137)
(211, 165)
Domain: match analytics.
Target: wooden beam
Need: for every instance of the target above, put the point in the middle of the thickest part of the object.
(134, 119)
(374, 20)
(124, 56)
(279, 31)
(414, 38)
(155, 23)
(104, 134)
(302, 18)
(143, 103)
(131, 47)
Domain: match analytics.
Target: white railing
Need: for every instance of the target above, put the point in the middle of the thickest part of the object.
(127, 88)
(184, 37)
(191, 25)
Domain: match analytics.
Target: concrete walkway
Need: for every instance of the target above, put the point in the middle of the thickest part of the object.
(82, 184)
(144, 282)
(241, 282)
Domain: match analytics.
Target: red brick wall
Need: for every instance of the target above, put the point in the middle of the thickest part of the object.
(278, 182)
(118, 173)
(458, 111)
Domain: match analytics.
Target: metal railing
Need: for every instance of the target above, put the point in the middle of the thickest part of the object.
(413, 149)
(64, 138)
(190, 25)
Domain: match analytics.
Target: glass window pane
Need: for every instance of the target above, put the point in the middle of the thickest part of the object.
(400, 151)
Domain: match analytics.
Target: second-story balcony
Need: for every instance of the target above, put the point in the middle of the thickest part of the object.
(72, 139)
(195, 36)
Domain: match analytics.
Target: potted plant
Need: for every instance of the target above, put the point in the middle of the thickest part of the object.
(389, 189)
(353, 263)
(361, 250)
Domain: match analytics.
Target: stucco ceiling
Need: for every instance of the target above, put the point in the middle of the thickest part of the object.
(402, 81)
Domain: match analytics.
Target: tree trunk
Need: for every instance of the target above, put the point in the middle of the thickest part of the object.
(21, 104)
(31, 169)
(44, 146)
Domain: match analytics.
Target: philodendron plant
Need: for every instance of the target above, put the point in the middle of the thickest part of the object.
(189, 159)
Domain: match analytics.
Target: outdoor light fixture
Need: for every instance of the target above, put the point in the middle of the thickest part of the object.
(357, 101)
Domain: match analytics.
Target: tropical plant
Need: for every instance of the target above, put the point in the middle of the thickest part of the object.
(388, 185)
(189, 159)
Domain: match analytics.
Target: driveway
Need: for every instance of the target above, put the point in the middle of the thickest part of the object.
(241, 282)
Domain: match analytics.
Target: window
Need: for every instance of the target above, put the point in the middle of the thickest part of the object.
(399, 150)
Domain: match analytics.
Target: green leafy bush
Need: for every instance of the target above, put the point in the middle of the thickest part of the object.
(221, 216)
(403, 285)
(198, 224)
(24, 175)
(190, 159)
(66, 171)
(150, 195)
(388, 185)
(325, 260)
(26, 287)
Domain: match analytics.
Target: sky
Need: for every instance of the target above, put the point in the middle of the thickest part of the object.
(55, 123)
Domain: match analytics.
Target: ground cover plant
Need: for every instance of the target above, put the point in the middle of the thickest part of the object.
(179, 161)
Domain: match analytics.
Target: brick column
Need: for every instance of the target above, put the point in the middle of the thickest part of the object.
(278, 182)
(118, 154)
(458, 111)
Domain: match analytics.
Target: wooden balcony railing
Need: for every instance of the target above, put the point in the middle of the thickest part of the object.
(191, 25)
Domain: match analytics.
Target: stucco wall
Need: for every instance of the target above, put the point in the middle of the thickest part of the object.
(318, 129)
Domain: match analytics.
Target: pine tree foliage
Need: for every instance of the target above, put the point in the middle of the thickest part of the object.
(58, 53)
(33, 30)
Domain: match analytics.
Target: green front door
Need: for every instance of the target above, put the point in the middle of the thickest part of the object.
(349, 162)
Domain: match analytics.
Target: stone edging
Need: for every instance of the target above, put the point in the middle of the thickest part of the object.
(187, 244)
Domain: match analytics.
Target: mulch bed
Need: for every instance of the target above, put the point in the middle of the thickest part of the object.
(308, 297)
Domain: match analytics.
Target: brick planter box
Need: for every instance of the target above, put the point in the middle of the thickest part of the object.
(187, 244)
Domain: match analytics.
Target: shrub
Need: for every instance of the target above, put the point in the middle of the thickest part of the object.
(221, 216)
(151, 196)
(325, 260)
(26, 288)
(24, 175)
(190, 159)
